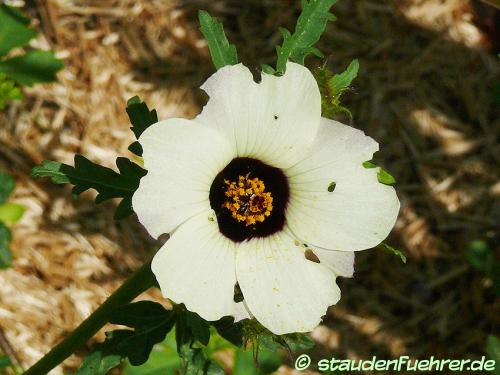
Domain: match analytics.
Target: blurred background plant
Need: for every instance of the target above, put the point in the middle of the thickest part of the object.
(165, 360)
(426, 90)
(10, 213)
(21, 69)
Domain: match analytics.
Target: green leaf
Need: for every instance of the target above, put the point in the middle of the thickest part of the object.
(33, 67)
(332, 86)
(140, 315)
(104, 356)
(189, 330)
(195, 362)
(8, 91)
(151, 323)
(87, 175)
(7, 185)
(228, 329)
(14, 30)
(299, 341)
(221, 51)
(10, 213)
(390, 249)
(340, 82)
(478, 254)
(383, 176)
(483, 260)
(52, 169)
(199, 327)
(268, 69)
(310, 25)
(190, 327)
(369, 165)
(5, 253)
(493, 351)
(159, 363)
(162, 360)
(4, 362)
(141, 118)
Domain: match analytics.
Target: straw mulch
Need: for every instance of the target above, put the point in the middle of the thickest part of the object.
(424, 92)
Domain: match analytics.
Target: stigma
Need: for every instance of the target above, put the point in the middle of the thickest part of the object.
(247, 200)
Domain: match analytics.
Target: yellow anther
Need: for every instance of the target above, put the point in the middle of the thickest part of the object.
(247, 200)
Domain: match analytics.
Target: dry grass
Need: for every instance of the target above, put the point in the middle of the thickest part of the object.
(423, 92)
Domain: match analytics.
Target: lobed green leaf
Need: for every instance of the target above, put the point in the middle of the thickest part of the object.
(230, 330)
(33, 67)
(340, 82)
(332, 86)
(52, 169)
(104, 356)
(162, 360)
(190, 328)
(310, 26)
(150, 322)
(14, 29)
(140, 315)
(141, 118)
(88, 175)
(221, 51)
(195, 362)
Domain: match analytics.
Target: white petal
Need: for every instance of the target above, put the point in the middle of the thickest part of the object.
(275, 120)
(359, 213)
(340, 262)
(196, 266)
(282, 289)
(182, 158)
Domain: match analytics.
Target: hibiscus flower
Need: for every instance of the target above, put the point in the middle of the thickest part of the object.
(262, 195)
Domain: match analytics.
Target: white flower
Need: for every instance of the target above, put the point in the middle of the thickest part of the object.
(246, 187)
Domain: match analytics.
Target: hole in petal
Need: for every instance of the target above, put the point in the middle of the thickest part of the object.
(275, 117)
(238, 294)
(331, 187)
(311, 256)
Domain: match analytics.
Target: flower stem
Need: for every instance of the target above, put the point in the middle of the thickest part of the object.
(140, 281)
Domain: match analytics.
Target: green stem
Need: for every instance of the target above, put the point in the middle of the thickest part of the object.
(140, 281)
